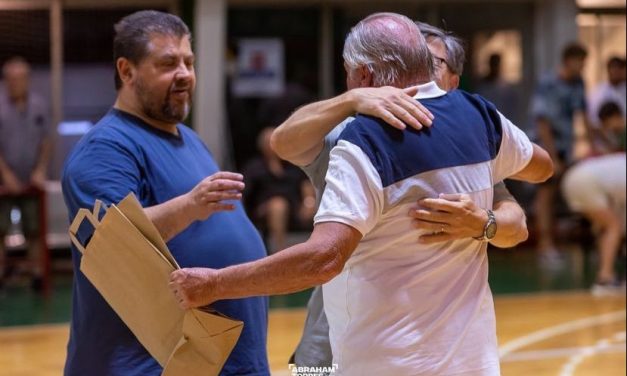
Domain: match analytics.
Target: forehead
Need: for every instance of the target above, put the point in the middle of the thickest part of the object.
(15, 70)
(437, 47)
(162, 45)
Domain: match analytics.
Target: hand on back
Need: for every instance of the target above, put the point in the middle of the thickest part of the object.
(395, 106)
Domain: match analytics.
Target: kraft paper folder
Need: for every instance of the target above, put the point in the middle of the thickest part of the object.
(129, 264)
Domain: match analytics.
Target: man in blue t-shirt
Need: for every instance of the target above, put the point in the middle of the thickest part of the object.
(140, 146)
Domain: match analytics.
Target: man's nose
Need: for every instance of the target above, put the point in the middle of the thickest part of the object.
(184, 72)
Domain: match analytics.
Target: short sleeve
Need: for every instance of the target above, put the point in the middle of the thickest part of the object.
(103, 170)
(353, 193)
(515, 152)
(317, 169)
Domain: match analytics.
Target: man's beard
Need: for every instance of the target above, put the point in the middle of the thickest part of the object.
(166, 111)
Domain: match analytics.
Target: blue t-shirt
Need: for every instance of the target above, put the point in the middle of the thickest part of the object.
(556, 101)
(123, 154)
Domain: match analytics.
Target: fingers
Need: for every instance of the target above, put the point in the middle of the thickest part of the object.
(225, 185)
(439, 204)
(419, 113)
(429, 216)
(227, 175)
(411, 112)
(431, 227)
(176, 278)
(435, 238)
(391, 119)
(396, 107)
(454, 196)
(216, 196)
(411, 91)
(222, 181)
(220, 206)
(405, 112)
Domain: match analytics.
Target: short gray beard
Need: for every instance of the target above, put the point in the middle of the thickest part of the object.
(163, 111)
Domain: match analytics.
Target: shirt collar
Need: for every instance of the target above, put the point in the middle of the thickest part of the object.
(429, 90)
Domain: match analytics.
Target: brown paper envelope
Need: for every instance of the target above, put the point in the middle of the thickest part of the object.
(134, 212)
(211, 348)
(132, 276)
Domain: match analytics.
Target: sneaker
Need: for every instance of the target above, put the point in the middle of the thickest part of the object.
(607, 289)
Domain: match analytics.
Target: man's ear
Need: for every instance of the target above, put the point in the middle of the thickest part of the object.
(126, 70)
(454, 82)
(365, 76)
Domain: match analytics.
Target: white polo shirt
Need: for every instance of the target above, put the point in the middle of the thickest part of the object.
(400, 307)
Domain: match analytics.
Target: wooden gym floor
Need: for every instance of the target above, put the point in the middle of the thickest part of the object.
(557, 334)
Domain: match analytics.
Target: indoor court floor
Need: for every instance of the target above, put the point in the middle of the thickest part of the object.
(548, 323)
(552, 334)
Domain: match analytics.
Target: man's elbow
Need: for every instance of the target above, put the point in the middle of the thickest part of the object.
(276, 143)
(540, 169)
(545, 173)
(330, 270)
(521, 236)
(332, 245)
(328, 265)
(512, 240)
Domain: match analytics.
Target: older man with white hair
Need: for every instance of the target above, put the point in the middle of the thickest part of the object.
(311, 128)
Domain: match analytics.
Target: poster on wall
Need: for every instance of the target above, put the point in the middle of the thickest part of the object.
(260, 69)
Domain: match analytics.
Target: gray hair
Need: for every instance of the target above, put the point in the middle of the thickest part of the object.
(391, 47)
(455, 52)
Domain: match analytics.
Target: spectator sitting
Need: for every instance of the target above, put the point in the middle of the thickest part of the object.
(277, 195)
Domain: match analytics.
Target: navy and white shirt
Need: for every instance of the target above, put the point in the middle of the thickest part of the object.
(400, 307)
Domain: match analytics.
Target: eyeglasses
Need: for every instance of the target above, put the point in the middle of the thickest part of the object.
(440, 63)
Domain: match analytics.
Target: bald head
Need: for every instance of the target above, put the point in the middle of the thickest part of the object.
(16, 73)
(391, 48)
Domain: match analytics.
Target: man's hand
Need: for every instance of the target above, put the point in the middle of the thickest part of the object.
(396, 107)
(11, 183)
(194, 287)
(209, 195)
(38, 178)
(449, 217)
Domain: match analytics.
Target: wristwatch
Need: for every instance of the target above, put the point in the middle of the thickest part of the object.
(489, 229)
